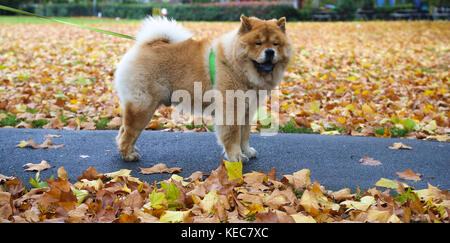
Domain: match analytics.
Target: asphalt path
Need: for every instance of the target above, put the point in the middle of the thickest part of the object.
(332, 160)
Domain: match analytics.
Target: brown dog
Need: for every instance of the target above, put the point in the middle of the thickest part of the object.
(166, 59)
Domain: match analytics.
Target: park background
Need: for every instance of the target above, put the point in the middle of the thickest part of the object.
(362, 68)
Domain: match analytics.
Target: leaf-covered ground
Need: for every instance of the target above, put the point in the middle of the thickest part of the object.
(385, 79)
(226, 195)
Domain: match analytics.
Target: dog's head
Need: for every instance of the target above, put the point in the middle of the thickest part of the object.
(263, 46)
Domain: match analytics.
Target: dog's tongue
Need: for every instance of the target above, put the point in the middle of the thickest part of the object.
(267, 67)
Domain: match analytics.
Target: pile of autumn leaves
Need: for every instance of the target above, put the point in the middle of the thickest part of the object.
(226, 195)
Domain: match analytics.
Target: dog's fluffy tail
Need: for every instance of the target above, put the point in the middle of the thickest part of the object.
(154, 28)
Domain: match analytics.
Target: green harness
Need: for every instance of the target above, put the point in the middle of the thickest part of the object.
(212, 66)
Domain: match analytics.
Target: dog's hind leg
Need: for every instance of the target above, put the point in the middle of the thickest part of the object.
(134, 120)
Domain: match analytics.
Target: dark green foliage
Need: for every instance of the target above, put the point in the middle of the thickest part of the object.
(183, 12)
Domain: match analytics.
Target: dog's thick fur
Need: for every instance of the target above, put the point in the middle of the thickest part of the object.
(166, 58)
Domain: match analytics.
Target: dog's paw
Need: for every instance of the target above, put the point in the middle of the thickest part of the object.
(237, 157)
(133, 156)
(250, 152)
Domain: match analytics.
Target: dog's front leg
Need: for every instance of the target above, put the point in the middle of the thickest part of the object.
(230, 138)
(245, 145)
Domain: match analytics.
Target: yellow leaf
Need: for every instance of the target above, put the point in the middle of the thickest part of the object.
(21, 108)
(367, 109)
(314, 107)
(316, 127)
(208, 202)
(341, 119)
(340, 90)
(126, 189)
(429, 108)
(254, 208)
(330, 132)
(394, 219)
(309, 203)
(173, 216)
(352, 78)
(428, 92)
(350, 107)
(234, 170)
(22, 144)
(122, 172)
(383, 182)
(300, 218)
(364, 203)
(374, 215)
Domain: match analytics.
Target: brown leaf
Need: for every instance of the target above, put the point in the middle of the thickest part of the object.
(272, 174)
(159, 168)
(37, 167)
(5, 205)
(409, 175)
(370, 161)
(4, 178)
(400, 146)
(115, 122)
(54, 123)
(78, 215)
(196, 176)
(46, 144)
(88, 125)
(90, 174)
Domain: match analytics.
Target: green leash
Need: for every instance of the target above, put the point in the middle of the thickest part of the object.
(212, 66)
(68, 23)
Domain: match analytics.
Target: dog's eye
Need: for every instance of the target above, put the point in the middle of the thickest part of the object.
(258, 43)
(275, 43)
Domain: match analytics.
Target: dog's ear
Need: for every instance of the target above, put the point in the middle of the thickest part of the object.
(245, 25)
(282, 24)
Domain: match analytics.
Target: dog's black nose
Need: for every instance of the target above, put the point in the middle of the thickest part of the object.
(270, 53)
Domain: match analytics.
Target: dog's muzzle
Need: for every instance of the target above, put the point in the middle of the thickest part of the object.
(267, 65)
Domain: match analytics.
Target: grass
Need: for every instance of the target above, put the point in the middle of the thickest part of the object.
(9, 120)
(78, 20)
(102, 123)
(39, 123)
(395, 132)
(290, 128)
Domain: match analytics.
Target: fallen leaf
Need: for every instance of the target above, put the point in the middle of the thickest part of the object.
(310, 203)
(5, 205)
(173, 216)
(400, 146)
(301, 218)
(159, 168)
(380, 216)
(370, 161)
(234, 170)
(37, 167)
(409, 175)
(364, 203)
(196, 176)
(115, 122)
(46, 144)
(52, 136)
(208, 202)
(383, 182)
(22, 144)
